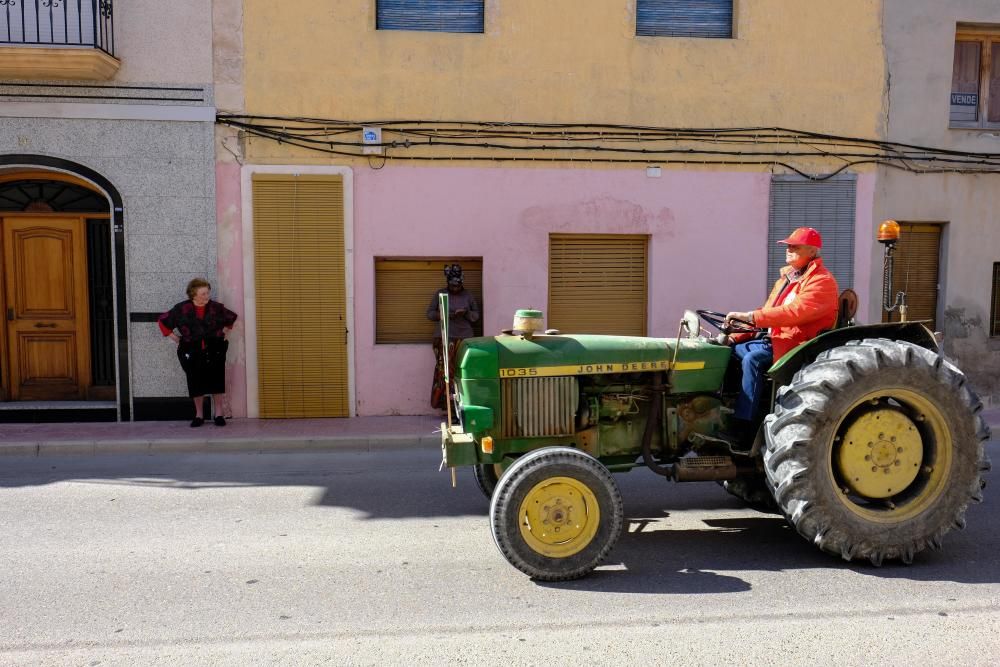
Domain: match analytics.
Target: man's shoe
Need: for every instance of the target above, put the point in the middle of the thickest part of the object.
(196, 422)
(219, 420)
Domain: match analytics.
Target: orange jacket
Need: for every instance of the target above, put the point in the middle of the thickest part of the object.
(813, 309)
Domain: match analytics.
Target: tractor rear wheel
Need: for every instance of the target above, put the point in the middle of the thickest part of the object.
(556, 514)
(753, 490)
(875, 450)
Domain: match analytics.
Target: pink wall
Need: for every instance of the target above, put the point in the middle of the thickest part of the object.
(707, 250)
(230, 271)
(708, 238)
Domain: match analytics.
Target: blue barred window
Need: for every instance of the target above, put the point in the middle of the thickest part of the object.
(684, 18)
(431, 15)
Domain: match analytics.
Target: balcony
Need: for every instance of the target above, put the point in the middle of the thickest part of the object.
(57, 39)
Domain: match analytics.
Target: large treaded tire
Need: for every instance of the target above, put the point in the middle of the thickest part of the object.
(486, 478)
(527, 479)
(804, 435)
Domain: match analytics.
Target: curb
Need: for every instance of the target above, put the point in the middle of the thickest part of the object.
(151, 447)
(260, 444)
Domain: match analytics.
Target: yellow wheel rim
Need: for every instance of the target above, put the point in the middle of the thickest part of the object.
(891, 455)
(559, 517)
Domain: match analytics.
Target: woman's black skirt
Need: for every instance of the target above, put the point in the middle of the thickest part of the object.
(205, 368)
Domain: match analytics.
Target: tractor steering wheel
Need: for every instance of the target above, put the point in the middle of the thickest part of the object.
(718, 320)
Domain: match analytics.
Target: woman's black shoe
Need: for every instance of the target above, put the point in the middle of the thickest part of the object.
(196, 422)
(219, 420)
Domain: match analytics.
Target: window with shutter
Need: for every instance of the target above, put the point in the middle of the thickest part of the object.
(827, 206)
(915, 272)
(975, 79)
(430, 15)
(300, 284)
(404, 288)
(684, 18)
(995, 310)
(597, 283)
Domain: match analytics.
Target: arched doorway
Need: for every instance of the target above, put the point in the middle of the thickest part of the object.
(57, 342)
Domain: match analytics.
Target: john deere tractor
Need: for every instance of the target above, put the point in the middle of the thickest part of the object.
(871, 447)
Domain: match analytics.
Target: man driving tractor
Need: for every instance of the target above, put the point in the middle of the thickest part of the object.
(802, 303)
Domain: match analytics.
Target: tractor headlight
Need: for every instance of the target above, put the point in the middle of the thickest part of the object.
(692, 323)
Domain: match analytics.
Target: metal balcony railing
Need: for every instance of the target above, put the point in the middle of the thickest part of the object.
(58, 23)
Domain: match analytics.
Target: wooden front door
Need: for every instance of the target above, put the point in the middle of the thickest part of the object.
(46, 311)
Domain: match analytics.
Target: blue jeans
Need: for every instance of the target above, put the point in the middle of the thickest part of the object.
(755, 356)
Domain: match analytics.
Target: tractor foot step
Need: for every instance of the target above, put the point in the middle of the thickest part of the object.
(705, 469)
(714, 442)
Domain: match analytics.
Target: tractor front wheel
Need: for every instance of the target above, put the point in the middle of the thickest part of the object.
(875, 450)
(556, 513)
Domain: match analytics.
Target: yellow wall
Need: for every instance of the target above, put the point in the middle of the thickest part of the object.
(801, 64)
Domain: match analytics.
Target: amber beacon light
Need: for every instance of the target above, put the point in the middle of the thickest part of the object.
(888, 232)
(888, 235)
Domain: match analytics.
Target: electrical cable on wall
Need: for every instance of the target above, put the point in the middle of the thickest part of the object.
(609, 143)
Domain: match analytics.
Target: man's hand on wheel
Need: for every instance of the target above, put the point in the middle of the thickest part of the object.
(735, 315)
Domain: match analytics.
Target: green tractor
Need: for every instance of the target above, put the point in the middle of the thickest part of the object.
(872, 445)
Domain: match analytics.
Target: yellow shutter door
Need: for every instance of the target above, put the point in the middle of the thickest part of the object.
(597, 283)
(915, 271)
(301, 295)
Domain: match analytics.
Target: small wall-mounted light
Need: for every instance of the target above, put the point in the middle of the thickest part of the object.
(371, 137)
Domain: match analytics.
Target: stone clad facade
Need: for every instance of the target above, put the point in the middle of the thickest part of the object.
(143, 139)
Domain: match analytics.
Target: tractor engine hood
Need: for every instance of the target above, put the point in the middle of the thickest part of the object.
(699, 364)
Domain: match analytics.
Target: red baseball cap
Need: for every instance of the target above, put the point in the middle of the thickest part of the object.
(804, 236)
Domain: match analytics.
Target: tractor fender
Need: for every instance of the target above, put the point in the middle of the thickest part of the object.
(786, 367)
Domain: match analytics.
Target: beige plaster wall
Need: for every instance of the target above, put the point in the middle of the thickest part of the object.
(164, 42)
(919, 44)
(807, 65)
(227, 54)
(919, 38)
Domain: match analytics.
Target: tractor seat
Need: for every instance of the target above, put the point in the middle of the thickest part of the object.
(847, 306)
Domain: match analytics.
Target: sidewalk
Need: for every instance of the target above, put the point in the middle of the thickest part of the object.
(240, 435)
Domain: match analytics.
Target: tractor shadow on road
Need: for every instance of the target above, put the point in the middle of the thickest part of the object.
(653, 558)
(658, 556)
(680, 539)
(673, 545)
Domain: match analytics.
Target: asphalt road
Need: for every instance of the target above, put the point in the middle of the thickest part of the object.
(345, 559)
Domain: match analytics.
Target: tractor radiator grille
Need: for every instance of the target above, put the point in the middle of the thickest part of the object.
(539, 406)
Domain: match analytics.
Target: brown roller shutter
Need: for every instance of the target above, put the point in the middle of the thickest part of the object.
(405, 287)
(597, 283)
(916, 271)
(301, 295)
(993, 84)
(965, 82)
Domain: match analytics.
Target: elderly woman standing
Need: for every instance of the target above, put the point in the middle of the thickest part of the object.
(201, 326)
(462, 312)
